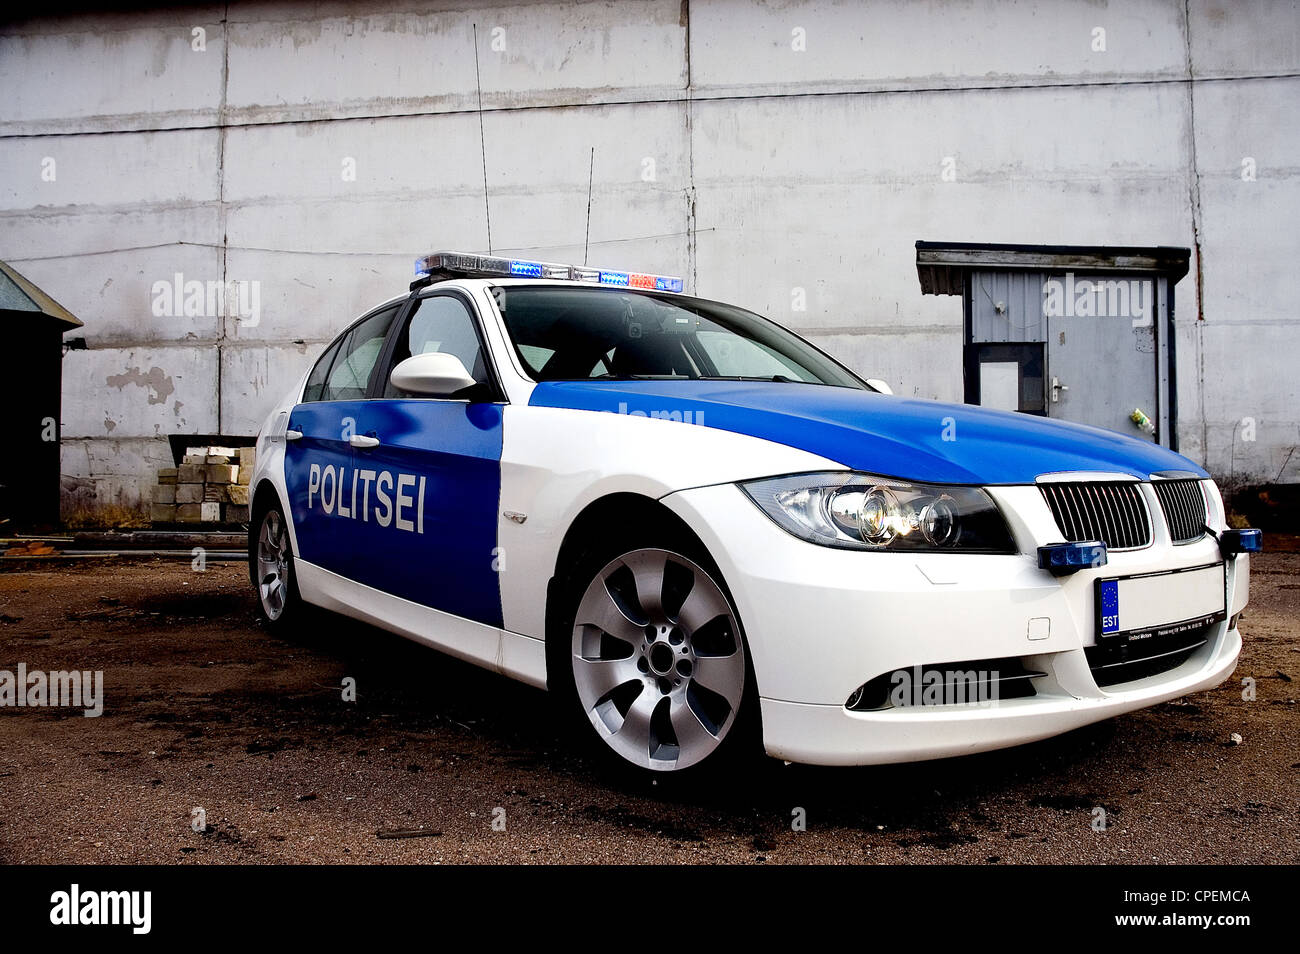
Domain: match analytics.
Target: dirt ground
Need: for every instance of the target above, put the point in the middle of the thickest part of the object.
(204, 710)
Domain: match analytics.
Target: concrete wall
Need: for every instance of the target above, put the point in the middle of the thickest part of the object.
(771, 153)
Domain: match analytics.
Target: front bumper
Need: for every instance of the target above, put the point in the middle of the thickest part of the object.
(820, 622)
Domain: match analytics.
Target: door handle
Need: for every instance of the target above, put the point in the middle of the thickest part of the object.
(292, 435)
(1057, 388)
(361, 440)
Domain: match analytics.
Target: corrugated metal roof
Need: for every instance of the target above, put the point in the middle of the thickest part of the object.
(18, 294)
(942, 266)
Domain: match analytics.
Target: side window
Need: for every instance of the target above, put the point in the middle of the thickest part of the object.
(440, 323)
(319, 374)
(357, 354)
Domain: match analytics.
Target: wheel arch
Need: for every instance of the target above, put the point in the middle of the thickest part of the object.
(602, 522)
(265, 495)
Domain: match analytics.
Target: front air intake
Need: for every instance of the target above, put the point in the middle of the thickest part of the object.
(1127, 662)
(973, 682)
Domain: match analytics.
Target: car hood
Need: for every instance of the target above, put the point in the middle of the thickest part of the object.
(881, 434)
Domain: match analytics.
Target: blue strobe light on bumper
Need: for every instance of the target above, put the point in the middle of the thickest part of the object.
(1061, 558)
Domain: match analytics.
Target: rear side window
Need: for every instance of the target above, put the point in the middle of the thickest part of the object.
(316, 380)
(343, 371)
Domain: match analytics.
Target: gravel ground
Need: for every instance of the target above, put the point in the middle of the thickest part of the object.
(205, 710)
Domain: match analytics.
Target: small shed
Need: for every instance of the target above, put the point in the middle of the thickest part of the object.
(34, 325)
(1084, 333)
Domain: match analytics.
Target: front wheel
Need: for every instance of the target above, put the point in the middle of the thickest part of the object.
(270, 562)
(657, 660)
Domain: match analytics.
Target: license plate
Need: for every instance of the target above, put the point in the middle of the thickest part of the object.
(1159, 604)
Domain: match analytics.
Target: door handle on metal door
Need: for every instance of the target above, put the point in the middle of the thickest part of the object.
(292, 435)
(361, 440)
(1057, 388)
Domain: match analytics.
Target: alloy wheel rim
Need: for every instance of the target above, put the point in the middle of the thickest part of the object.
(658, 661)
(273, 565)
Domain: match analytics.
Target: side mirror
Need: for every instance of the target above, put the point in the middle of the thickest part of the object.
(433, 374)
(880, 385)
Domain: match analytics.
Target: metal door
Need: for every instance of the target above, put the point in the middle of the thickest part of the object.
(1100, 369)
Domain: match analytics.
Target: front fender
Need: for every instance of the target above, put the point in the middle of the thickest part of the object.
(556, 462)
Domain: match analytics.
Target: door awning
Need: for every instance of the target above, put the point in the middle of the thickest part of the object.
(942, 266)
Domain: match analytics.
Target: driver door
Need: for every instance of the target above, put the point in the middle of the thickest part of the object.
(431, 472)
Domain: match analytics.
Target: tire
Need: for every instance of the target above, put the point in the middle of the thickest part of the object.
(651, 662)
(271, 570)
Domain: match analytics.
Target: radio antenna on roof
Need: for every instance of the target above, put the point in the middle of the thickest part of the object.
(482, 143)
(586, 242)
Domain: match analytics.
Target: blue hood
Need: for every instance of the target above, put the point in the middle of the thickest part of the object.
(879, 433)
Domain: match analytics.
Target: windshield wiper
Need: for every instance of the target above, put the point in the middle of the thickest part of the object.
(778, 378)
(609, 376)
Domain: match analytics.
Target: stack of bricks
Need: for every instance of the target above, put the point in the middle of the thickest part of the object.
(209, 486)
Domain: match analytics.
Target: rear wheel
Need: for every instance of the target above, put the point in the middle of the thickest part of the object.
(657, 660)
(270, 560)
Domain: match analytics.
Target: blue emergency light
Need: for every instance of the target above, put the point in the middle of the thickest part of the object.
(1232, 542)
(1062, 558)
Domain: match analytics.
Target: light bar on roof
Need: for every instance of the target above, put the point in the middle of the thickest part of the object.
(462, 265)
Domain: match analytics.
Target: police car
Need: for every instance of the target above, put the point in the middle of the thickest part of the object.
(697, 528)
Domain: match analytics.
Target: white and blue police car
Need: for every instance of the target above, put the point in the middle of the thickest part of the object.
(697, 528)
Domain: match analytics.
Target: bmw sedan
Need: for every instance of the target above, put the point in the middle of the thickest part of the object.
(697, 529)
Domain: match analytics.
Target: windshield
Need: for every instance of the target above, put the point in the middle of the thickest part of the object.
(568, 334)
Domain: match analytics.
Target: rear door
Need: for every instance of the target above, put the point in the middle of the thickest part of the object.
(318, 461)
(431, 478)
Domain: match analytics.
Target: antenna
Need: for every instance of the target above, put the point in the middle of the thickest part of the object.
(478, 82)
(586, 243)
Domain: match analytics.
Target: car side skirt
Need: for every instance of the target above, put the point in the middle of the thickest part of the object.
(510, 654)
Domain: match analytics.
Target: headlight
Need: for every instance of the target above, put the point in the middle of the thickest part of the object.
(862, 512)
